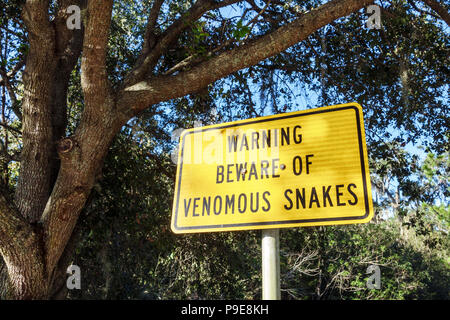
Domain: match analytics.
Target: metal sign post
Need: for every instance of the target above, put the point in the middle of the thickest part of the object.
(270, 247)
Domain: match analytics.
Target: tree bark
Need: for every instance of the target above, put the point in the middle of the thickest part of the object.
(53, 53)
(439, 9)
(142, 94)
(22, 249)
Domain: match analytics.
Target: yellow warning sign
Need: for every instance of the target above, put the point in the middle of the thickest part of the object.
(305, 168)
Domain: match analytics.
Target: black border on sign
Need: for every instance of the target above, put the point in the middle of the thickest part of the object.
(277, 223)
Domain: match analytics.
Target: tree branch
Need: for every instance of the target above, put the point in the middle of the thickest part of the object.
(82, 155)
(35, 16)
(11, 93)
(440, 10)
(150, 58)
(195, 59)
(33, 186)
(16, 34)
(69, 44)
(149, 37)
(137, 97)
(10, 221)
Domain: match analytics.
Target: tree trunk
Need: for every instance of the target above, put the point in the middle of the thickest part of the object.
(33, 187)
(21, 246)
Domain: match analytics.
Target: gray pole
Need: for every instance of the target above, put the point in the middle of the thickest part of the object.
(270, 246)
